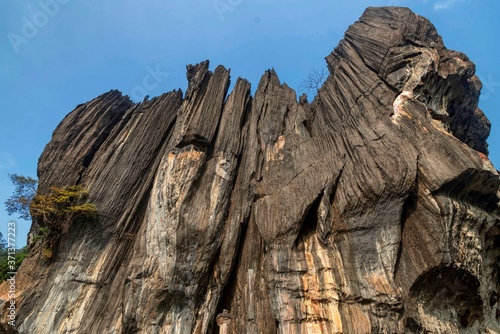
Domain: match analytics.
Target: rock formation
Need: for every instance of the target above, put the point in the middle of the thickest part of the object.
(372, 209)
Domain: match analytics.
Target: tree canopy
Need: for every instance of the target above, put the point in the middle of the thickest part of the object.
(3, 243)
(21, 199)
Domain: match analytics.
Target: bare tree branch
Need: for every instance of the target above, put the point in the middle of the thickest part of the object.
(314, 80)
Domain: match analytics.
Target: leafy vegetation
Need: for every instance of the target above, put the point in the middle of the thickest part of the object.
(24, 193)
(53, 212)
(4, 259)
(3, 243)
(59, 208)
(4, 267)
(60, 205)
(19, 202)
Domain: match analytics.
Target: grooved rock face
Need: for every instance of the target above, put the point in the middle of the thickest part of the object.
(372, 209)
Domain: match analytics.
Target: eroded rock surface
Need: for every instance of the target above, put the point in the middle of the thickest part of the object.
(372, 209)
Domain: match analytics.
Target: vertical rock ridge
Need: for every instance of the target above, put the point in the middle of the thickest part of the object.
(84, 129)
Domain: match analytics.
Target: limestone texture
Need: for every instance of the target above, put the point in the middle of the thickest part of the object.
(371, 209)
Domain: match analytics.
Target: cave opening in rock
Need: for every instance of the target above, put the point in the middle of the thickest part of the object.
(448, 293)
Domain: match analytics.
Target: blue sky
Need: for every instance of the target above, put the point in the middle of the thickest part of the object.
(55, 54)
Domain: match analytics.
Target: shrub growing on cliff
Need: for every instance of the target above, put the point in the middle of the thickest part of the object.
(56, 210)
(60, 205)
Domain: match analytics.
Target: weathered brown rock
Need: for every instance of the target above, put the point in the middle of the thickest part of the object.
(373, 209)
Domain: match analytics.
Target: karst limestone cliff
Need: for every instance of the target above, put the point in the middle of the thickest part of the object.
(372, 208)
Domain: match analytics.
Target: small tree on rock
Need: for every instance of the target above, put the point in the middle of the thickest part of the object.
(57, 210)
(61, 205)
(314, 80)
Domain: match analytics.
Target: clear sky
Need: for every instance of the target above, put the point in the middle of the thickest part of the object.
(55, 54)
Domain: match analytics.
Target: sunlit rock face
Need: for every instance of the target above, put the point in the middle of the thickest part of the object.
(371, 209)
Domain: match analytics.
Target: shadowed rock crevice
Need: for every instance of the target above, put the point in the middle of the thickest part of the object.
(451, 294)
(476, 188)
(409, 207)
(372, 209)
(309, 224)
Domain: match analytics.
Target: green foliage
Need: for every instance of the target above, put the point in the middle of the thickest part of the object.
(4, 265)
(24, 193)
(52, 211)
(3, 243)
(61, 205)
(44, 233)
(56, 211)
